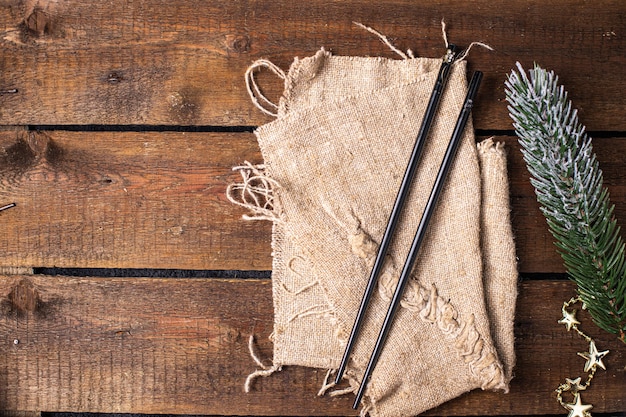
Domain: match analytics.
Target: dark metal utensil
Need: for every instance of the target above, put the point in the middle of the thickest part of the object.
(446, 164)
(431, 109)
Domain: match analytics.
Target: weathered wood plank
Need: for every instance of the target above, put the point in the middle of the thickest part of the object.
(180, 346)
(163, 62)
(157, 200)
(126, 200)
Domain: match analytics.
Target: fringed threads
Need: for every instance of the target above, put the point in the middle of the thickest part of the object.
(345, 391)
(253, 88)
(432, 308)
(463, 54)
(386, 41)
(490, 145)
(257, 374)
(304, 287)
(329, 385)
(255, 192)
(254, 354)
(263, 372)
(365, 410)
(444, 33)
(299, 290)
(326, 385)
(410, 55)
(311, 311)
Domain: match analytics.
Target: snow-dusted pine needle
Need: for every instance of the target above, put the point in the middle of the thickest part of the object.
(569, 186)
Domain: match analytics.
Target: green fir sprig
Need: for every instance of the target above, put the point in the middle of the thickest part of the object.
(569, 186)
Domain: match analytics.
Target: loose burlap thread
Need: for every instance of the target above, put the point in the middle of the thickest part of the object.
(333, 161)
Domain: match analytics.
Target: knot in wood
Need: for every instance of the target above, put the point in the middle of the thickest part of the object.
(24, 297)
(38, 143)
(31, 150)
(37, 22)
(238, 43)
(241, 44)
(44, 148)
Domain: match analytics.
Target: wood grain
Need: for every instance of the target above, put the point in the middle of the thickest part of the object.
(149, 198)
(126, 200)
(157, 200)
(182, 63)
(180, 346)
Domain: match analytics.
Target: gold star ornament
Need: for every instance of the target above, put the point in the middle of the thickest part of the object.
(574, 385)
(594, 357)
(578, 409)
(569, 319)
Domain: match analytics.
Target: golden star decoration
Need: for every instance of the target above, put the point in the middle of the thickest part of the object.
(569, 319)
(594, 360)
(578, 409)
(594, 357)
(574, 385)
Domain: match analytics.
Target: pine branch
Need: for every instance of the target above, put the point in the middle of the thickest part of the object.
(569, 186)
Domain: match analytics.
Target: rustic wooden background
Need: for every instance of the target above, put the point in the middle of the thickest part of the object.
(131, 285)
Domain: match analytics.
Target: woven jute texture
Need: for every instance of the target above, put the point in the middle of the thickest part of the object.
(333, 161)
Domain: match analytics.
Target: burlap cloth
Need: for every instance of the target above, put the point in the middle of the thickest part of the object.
(334, 158)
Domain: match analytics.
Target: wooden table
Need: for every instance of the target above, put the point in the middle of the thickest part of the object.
(131, 285)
